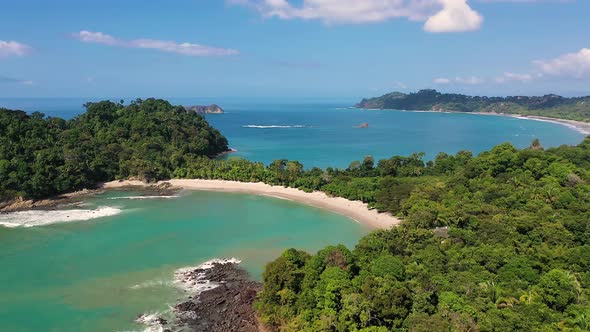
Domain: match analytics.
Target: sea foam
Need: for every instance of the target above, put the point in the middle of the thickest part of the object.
(152, 321)
(152, 283)
(187, 280)
(46, 217)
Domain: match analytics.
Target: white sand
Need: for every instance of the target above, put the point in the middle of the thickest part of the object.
(356, 210)
(579, 126)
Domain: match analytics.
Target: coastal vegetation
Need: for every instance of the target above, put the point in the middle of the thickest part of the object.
(553, 106)
(147, 139)
(494, 242)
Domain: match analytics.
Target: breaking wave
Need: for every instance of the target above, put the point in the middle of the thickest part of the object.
(152, 283)
(186, 279)
(47, 217)
(153, 321)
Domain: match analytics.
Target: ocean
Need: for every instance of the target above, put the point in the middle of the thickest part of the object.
(323, 133)
(97, 266)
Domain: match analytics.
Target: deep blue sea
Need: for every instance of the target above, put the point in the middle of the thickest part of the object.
(322, 132)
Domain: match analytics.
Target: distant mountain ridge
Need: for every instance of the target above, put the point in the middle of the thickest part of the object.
(205, 109)
(550, 105)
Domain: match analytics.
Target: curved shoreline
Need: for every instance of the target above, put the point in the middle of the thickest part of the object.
(355, 210)
(579, 126)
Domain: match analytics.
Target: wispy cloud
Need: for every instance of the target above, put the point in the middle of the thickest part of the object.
(527, 1)
(11, 80)
(471, 80)
(508, 77)
(12, 48)
(572, 65)
(441, 80)
(188, 49)
(439, 15)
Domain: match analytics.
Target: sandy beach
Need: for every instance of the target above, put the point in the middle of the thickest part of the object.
(582, 127)
(356, 210)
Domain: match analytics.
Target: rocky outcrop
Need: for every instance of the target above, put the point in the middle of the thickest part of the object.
(222, 300)
(22, 204)
(227, 307)
(199, 109)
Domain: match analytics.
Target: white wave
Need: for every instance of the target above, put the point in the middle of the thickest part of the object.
(152, 283)
(144, 197)
(187, 280)
(274, 126)
(152, 321)
(46, 217)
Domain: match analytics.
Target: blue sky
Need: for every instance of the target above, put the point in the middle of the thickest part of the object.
(303, 48)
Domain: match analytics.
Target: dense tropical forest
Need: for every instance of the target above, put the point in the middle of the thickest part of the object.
(426, 100)
(495, 242)
(147, 139)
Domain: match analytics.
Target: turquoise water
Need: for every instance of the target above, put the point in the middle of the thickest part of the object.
(98, 275)
(321, 132)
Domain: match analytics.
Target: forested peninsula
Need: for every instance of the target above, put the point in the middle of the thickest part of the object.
(494, 242)
(147, 139)
(553, 106)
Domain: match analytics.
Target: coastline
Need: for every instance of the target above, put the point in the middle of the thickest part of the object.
(355, 210)
(579, 126)
(225, 153)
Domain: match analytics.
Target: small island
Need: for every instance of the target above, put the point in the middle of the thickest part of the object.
(209, 109)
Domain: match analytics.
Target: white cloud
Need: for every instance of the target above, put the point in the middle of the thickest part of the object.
(441, 80)
(473, 80)
(440, 15)
(574, 65)
(508, 76)
(456, 16)
(8, 48)
(97, 37)
(161, 45)
(527, 1)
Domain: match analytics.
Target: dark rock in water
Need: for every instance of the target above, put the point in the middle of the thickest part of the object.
(199, 109)
(228, 307)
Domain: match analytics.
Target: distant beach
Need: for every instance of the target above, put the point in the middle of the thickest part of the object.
(582, 127)
(579, 126)
(355, 210)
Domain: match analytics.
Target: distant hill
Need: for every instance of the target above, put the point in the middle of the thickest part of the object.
(148, 140)
(431, 100)
(199, 109)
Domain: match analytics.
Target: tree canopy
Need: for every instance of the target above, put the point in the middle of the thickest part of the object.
(497, 242)
(555, 106)
(147, 139)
